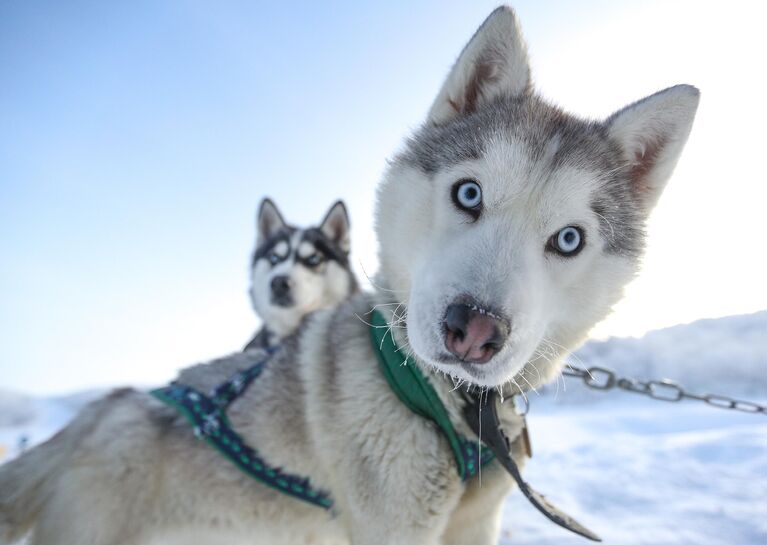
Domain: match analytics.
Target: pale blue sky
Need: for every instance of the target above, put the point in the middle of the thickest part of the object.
(137, 139)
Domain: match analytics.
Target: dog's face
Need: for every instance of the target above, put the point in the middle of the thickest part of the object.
(297, 271)
(508, 227)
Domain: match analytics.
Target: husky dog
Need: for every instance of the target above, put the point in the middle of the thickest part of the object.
(297, 271)
(507, 229)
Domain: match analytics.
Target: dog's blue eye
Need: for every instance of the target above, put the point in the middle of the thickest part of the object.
(568, 241)
(467, 195)
(274, 258)
(313, 260)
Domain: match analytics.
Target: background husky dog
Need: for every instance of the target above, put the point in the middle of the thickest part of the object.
(297, 271)
(507, 229)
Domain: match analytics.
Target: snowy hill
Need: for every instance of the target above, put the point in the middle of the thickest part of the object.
(727, 355)
(27, 420)
(634, 470)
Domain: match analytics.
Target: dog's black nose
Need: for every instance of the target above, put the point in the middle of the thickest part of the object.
(473, 334)
(281, 286)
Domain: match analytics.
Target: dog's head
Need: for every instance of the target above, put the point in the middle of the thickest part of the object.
(509, 227)
(297, 271)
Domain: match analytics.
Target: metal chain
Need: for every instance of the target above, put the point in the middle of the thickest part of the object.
(600, 378)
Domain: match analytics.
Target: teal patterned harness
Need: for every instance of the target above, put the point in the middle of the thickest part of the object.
(207, 414)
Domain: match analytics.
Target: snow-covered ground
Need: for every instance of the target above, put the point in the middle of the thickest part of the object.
(634, 470)
(638, 471)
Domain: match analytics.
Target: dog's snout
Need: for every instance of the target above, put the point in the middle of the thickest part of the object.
(473, 334)
(280, 286)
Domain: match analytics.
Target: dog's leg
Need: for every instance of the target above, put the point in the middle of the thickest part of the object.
(82, 512)
(393, 499)
(476, 524)
(398, 516)
(391, 532)
(477, 519)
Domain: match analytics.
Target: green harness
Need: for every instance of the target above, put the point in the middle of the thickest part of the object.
(207, 414)
(415, 392)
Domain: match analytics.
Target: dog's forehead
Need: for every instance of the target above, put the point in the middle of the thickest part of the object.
(513, 176)
(528, 121)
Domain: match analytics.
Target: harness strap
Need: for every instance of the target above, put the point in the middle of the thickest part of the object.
(415, 392)
(223, 394)
(208, 417)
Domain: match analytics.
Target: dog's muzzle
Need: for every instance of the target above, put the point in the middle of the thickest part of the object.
(281, 293)
(473, 334)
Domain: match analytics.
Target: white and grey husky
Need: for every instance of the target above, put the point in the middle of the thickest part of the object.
(507, 229)
(297, 271)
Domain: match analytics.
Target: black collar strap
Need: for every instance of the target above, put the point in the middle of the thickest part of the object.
(481, 412)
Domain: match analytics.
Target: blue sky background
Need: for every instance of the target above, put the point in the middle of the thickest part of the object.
(137, 139)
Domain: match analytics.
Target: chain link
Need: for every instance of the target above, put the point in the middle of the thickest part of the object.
(601, 378)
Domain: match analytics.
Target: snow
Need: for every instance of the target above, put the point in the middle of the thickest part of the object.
(634, 470)
(638, 471)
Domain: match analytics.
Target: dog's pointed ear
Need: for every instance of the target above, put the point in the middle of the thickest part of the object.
(652, 134)
(493, 63)
(269, 221)
(335, 226)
